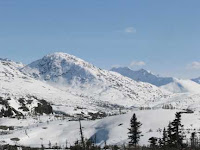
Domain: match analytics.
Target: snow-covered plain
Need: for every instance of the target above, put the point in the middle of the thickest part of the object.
(113, 130)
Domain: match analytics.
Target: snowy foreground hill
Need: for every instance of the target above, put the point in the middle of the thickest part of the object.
(113, 129)
(61, 88)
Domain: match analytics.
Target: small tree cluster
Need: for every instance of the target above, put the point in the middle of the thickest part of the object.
(172, 137)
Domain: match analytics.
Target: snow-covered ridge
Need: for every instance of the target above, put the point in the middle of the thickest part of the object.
(9, 69)
(182, 86)
(18, 65)
(143, 76)
(58, 66)
(170, 84)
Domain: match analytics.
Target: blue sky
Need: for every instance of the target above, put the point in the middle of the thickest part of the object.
(161, 36)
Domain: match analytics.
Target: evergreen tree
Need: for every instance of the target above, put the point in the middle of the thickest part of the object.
(193, 140)
(49, 144)
(153, 142)
(2, 112)
(169, 135)
(160, 143)
(164, 138)
(134, 131)
(177, 135)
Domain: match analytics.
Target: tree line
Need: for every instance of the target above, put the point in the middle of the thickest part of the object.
(173, 136)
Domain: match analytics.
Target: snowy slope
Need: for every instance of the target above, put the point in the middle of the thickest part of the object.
(18, 65)
(76, 76)
(186, 95)
(166, 83)
(143, 76)
(182, 86)
(15, 85)
(113, 129)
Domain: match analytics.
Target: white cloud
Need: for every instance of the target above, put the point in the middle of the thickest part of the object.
(194, 65)
(137, 63)
(130, 30)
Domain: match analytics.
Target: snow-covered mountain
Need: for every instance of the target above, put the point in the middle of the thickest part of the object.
(167, 83)
(69, 73)
(182, 86)
(71, 86)
(186, 95)
(68, 83)
(143, 76)
(22, 94)
(197, 80)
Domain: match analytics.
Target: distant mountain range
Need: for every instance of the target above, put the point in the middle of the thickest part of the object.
(197, 80)
(168, 83)
(143, 76)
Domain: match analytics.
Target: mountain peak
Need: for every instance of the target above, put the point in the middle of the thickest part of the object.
(61, 67)
(144, 71)
(129, 69)
(63, 56)
(60, 55)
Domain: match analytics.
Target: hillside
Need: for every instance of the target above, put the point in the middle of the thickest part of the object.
(182, 86)
(74, 87)
(113, 129)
